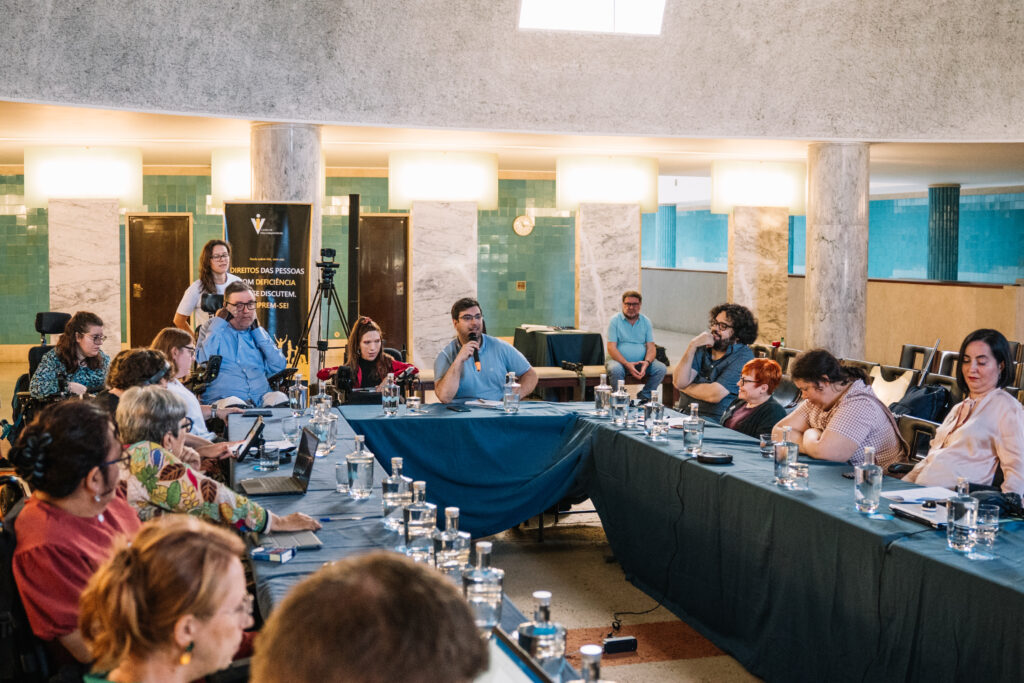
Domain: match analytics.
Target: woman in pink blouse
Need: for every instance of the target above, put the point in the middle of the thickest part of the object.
(984, 430)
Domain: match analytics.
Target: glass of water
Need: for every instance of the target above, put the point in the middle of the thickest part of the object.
(631, 417)
(767, 448)
(985, 532)
(799, 476)
(413, 404)
(268, 459)
(653, 416)
(291, 430)
(341, 476)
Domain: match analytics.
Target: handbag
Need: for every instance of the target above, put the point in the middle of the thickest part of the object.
(926, 402)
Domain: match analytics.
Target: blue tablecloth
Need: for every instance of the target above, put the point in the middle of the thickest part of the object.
(498, 469)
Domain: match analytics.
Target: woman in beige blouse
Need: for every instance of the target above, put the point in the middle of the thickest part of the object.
(986, 428)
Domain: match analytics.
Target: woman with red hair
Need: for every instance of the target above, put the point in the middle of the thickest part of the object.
(754, 412)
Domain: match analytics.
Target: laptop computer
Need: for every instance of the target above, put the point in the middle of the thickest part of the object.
(283, 486)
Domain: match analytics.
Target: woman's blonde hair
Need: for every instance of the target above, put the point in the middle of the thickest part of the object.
(176, 566)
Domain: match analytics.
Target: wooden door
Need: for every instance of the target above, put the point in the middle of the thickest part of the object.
(159, 268)
(383, 275)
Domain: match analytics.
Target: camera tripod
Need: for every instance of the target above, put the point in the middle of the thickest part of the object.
(325, 291)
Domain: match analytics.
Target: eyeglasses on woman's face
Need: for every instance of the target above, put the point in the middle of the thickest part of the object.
(221, 256)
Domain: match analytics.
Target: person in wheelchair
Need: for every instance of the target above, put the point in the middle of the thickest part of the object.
(364, 356)
(158, 480)
(248, 353)
(76, 365)
(70, 456)
(180, 349)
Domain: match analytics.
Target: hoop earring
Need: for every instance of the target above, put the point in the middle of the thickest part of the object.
(186, 656)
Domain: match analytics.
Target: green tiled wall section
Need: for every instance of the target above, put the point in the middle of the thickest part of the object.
(545, 259)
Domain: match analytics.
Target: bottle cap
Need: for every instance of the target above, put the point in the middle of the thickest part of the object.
(591, 650)
(543, 597)
(396, 462)
(451, 511)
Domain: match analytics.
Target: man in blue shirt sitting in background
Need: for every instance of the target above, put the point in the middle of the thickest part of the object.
(631, 347)
(248, 354)
(458, 375)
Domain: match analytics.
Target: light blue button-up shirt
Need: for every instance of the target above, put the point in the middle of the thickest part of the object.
(248, 357)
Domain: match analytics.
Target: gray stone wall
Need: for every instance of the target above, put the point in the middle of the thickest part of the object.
(816, 69)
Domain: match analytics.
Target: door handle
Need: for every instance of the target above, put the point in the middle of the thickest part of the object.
(136, 290)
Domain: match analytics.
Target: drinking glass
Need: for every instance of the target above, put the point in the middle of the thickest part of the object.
(413, 404)
(341, 476)
(767, 448)
(268, 459)
(799, 476)
(962, 516)
(631, 417)
(291, 430)
(985, 532)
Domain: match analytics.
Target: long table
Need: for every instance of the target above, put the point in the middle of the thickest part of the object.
(795, 585)
(341, 537)
(549, 347)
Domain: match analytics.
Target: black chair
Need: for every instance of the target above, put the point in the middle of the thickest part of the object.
(909, 356)
(862, 364)
(395, 353)
(786, 394)
(783, 355)
(918, 434)
(46, 323)
(892, 372)
(947, 362)
(955, 395)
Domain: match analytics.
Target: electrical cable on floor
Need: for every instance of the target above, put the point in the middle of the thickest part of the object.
(617, 616)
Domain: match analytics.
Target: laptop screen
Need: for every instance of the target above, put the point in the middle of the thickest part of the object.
(304, 458)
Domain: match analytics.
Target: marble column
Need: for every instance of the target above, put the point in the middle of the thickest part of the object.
(759, 266)
(665, 236)
(943, 231)
(835, 292)
(288, 166)
(85, 262)
(442, 266)
(607, 261)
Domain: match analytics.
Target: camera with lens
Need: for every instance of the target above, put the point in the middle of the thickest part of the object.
(211, 303)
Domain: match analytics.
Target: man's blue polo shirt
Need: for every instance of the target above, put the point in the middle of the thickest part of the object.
(497, 358)
(632, 339)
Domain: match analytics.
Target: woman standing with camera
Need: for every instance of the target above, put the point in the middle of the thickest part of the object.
(214, 264)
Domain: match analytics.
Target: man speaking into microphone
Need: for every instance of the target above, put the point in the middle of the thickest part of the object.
(474, 364)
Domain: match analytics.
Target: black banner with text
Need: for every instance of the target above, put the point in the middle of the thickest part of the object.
(270, 251)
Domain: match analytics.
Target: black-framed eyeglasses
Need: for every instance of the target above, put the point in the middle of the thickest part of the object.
(471, 318)
(220, 257)
(191, 350)
(720, 326)
(122, 460)
(744, 380)
(245, 305)
(630, 303)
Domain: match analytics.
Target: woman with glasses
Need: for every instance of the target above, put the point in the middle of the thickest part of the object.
(214, 263)
(153, 421)
(754, 412)
(70, 456)
(171, 607)
(77, 364)
(179, 348)
(365, 359)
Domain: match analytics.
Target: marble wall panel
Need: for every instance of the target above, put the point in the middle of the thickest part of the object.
(835, 297)
(758, 266)
(443, 269)
(85, 262)
(607, 261)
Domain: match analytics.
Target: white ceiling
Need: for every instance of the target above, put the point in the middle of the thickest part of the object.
(186, 140)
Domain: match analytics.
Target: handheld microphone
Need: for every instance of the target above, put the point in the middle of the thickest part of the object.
(476, 354)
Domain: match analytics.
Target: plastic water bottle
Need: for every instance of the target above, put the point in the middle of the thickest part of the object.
(867, 483)
(693, 431)
(389, 395)
(602, 397)
(510, 397)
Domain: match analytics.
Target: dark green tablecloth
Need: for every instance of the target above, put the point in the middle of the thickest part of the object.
(797, 585)
(551, 347)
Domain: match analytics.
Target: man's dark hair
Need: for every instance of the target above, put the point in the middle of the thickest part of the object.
(744, 324)
(632, 292)
(236, 287)
(462, 304)
(370, 618)
(61, 446)
(819, 365)
(1000, 351)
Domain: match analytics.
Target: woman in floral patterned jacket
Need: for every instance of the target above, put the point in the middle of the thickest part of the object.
(156, 480)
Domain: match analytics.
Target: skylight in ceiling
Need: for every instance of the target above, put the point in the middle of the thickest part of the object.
(638, 17)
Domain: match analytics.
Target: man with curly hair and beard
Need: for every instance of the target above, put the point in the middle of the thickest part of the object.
(709, 370)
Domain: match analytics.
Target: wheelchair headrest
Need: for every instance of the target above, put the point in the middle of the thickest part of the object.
(51, 323)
